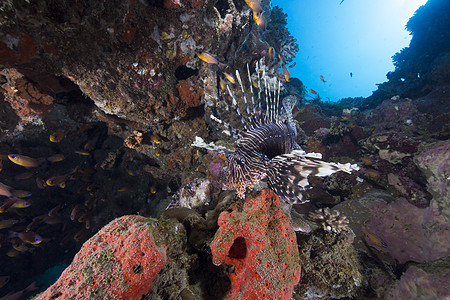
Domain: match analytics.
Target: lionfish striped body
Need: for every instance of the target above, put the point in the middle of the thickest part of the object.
(267, 148)
(250, 161)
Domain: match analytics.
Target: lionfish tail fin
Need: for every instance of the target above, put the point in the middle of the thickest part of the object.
(288, 173)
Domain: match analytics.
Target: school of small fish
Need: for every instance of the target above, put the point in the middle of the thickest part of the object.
(57, 199)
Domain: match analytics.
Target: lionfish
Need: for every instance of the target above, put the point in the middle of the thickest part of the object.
(266, 149)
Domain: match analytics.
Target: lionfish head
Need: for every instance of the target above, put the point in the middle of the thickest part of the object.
(242, 171)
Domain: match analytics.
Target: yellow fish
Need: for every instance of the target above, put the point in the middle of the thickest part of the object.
(229, 77)
(271, 53)
(24, 161)
(8, 204)
(123, 188)
(30, 237)
(222, 84)
(286, 73)
(260, 20)
(255, 5)
(54, 210)
(56, 180)
(153, 189)
(82, 152)
(12, 253)
(52, 220)
(375, 239)
(156, 138)
(56, 158)
(40, 183)
(20, 246)
(7, 223)
(21, 203)
(208, 58)
(57, 136)
(21, 194)
(74, 212)
(321, 78)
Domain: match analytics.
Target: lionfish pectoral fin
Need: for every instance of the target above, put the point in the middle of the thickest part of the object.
(288, 173)
(285, 180)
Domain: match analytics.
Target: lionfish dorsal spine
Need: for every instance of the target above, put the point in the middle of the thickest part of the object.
(236, 107)
(247, 108)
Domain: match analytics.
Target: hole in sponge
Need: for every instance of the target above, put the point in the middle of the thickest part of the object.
(239, 249)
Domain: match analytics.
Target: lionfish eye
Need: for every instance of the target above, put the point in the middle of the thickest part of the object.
(239, 162)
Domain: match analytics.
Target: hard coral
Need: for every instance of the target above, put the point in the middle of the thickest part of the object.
(119, 262)
(330, 267)
(330, 220)
(258, 240)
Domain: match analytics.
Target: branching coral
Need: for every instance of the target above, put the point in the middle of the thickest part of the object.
(279, 36)
(330, 220)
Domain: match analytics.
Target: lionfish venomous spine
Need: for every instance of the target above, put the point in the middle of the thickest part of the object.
(267, 148)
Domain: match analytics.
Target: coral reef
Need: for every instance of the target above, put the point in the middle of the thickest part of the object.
(435, 163)
(120, 261)
(256, 238)
(330, 266)
(417, 283)
(194, 193)
(129, 100)
(28, 100)
(330, 220)
(410, 233)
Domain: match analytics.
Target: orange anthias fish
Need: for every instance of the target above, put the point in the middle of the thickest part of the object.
(255, 5)
(271, 51)
(313, 91)
(286, 73)
(260, 20)
(208, 58)
(321, 78)
(230, 78)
